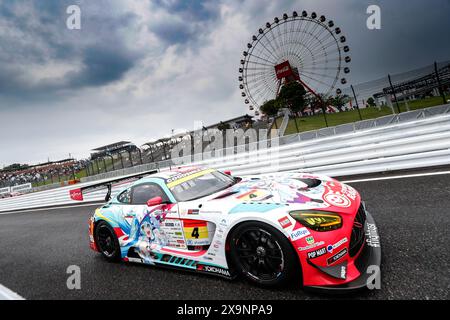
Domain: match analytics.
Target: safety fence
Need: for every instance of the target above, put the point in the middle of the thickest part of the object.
(414, 144)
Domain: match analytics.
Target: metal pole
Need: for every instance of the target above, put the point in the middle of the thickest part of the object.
(324, 110)
(112, 162)
(441, 91)
(393, 91)
(121, 160)
(357, 104)
(98, 168)
(131, 158)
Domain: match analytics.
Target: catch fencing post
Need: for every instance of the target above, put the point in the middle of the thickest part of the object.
(357, 104)
(393, 91)
(441, 91)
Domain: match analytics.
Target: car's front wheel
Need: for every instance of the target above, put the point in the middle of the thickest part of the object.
(107, 241)
(263, 254)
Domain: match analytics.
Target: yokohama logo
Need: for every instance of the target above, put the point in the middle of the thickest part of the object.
(212, 269)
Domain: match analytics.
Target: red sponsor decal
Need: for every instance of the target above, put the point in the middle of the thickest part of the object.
(285, 222)
(76, 195)
(283, 70)
(193, 223)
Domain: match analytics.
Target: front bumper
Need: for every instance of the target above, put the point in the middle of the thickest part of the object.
(368, 264)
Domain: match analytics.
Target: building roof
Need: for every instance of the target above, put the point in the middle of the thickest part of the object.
(112, 146)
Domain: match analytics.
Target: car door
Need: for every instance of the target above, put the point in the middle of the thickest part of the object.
(159, 225)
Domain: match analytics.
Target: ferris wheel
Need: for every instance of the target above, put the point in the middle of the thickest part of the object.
(304, 48)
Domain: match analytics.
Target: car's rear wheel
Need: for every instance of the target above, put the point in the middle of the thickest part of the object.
(263, 254)
(107, 242)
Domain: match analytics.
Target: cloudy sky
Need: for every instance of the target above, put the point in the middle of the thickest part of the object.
(139, 68)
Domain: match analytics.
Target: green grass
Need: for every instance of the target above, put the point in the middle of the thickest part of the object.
(79, 175)
(335, 119)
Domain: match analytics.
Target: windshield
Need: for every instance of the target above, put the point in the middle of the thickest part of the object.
(201, 186)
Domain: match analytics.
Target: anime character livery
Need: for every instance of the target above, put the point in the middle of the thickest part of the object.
(272, 229)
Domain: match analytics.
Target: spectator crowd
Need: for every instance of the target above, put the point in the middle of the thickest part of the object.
(40, 173)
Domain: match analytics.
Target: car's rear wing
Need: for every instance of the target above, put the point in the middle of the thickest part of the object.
(78, 194)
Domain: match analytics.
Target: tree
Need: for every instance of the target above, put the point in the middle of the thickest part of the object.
(292, 96)
(223, 126)
(270, 108)
(321, 101)
(371, 102)
(340, 101)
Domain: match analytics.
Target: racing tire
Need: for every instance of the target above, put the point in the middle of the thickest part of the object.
(264, 255)
(107, 242)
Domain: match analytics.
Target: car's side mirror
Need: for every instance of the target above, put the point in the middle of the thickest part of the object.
(227, 172)
(154, 201)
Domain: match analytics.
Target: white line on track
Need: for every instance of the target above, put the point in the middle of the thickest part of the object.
(6, 294)
(400, 177)
(55, 208)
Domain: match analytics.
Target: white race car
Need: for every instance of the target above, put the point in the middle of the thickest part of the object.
(273, 229)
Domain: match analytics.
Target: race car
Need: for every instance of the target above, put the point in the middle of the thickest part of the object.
(273, 229)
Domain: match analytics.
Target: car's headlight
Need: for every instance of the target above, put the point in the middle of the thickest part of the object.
(318, 220)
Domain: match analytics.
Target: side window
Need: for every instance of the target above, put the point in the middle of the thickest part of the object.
(144, 192)
(125, 197)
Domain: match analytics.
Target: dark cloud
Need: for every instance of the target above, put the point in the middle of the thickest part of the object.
(191, 20)
(36, 34)
(139, 68)
(102, 65)
(191, 10)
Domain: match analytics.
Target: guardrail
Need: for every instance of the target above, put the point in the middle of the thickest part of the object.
(414, 144)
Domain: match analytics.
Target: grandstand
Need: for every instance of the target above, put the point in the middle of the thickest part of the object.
(113, 148)
(160, 150)
(50, 172)
(428, 85)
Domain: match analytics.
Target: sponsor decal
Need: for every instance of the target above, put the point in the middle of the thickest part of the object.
(223, 223)
(282, 70)
(344, 272)
(299, 234)
(337, 256)
(135, 260)
(337, 200)
(310, 240)
(212, 269)
(331, 247)
(285, 222)
(193, 211)
(372, 237)
(76, 195)
(317, 253)
(315, 245)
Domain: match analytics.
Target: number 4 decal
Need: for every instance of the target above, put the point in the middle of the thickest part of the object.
(195, 233)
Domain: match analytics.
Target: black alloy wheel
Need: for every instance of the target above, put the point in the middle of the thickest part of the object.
(107, 241)
(263, 254)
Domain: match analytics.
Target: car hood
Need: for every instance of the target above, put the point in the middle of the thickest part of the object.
(294, 190)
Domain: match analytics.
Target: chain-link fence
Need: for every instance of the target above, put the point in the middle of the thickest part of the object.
(393, 94)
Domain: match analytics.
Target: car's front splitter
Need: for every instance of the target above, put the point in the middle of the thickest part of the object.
(368, 263)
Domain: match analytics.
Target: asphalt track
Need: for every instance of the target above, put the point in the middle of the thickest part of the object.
(413, 216)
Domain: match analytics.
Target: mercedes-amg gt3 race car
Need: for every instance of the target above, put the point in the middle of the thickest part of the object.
(273, 229)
